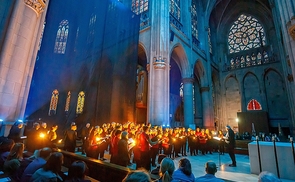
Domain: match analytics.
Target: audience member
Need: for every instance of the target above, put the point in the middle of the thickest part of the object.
(211, 169)
(137, 176)
(266, 176)
(5, 146)
(50, 171)
(36, 164)
(14, 159)
(77, 172)
(184, 172)
(157, 169)
(167, 168)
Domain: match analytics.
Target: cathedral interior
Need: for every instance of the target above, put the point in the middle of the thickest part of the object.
(193, 63)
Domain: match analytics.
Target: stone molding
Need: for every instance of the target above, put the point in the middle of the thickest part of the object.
(187, 80)
(159, 63)
(37, 6)
(205, 89)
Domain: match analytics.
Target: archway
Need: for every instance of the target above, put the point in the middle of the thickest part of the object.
(141, 86)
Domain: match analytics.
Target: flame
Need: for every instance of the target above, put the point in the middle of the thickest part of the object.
(42, 135)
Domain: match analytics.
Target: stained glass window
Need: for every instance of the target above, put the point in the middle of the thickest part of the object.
(245, 33)
(80, 102)
(194, 18)
(61, 37)
(139, 6)
(53, 103)
(209, 40)
(181, 90)
(254, 105)
(67, 107)
(175, 9)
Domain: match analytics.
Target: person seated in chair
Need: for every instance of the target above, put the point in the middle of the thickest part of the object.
(211, 169)
(36, 164)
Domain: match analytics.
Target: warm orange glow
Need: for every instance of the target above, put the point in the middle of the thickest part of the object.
(59, 141)
(42, 135)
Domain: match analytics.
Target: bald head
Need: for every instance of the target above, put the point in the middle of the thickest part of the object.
(210, 168)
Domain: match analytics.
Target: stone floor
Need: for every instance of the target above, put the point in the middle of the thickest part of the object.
(241, 173)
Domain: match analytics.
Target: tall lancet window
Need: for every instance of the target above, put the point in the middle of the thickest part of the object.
(194, 18)
(209, 40)
(53, 103)
(139, 6)
(67, 107)
(245, 33)
(175, 9)
(61, 37)
(80, 102)
(91, 25)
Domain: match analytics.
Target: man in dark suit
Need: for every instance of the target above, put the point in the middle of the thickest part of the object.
(231, 144)
(85, 136)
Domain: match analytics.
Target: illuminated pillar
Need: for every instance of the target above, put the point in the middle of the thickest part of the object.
(208, 121)
(188, 101)
(158, 64)
(18, 57)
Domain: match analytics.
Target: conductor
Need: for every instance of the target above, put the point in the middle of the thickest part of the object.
(231, 144)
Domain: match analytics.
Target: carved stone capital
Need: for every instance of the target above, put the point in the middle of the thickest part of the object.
(37, 6)
(159, 63)
(291, 31)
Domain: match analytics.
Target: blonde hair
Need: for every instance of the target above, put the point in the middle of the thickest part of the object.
(16, 151)
(167, 168)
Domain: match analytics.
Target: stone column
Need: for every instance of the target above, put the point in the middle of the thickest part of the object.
(285, 22)
(158, 64)
(207, 110)
(188, 101)
(18, 57)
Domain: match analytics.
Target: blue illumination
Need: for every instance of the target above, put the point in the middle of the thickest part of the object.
(163, 125)
(1, 120)
(20, 120)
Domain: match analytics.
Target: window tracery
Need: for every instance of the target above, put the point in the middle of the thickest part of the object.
(139, 6)
(80, 103)
(67, 107)
(194, 18)
(175, 9)
(245, 33)
(53, 103)
(61, 37)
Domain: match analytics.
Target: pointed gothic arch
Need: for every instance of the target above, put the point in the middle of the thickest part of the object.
(179, 55)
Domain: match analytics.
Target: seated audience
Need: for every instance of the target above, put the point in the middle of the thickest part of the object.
(77, 172)
(5, 146)
(14, 159)
(157, 169)
(167, 168)
(184, 172)
(137, 176)
(50, 171)
(266, 176)
(211, 169)
(36, 164)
